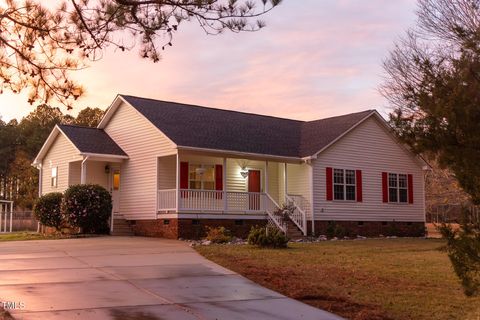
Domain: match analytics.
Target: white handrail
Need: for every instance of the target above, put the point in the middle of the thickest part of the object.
(273, 220)
(298, 216)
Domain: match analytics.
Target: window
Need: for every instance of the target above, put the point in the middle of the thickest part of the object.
(201, 177)
(54, 179)
(344, 184)
(116, 180)
(397, 188)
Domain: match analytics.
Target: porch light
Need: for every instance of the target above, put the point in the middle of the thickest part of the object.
(107, 169)
(244, 173)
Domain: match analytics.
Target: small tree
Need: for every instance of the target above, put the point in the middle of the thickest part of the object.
(89, 207)
(48, 211)
(463, 248)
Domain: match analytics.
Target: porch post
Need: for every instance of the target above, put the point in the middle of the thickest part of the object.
(224, 183)
(83, 174)
(266, 176)
(285, 180)
(177, 183)
(310, 171)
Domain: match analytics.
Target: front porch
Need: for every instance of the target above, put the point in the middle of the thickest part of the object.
(201, 183)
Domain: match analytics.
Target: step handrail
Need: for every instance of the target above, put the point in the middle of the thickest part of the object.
(273, 220)
(300, 222)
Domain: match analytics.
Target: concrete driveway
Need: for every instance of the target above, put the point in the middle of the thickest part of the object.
(132, 278)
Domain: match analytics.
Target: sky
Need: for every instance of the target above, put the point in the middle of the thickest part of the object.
(314, 59)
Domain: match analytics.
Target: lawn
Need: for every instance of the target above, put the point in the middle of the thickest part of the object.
(18, 236)
(367, 279)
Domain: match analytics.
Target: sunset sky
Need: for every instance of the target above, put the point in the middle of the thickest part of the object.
(314, 59)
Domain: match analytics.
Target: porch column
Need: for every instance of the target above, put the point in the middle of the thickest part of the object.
(224, 183)
(285, 180)
(310, 172)
(83, 174)
(266, 176)
(177, 183)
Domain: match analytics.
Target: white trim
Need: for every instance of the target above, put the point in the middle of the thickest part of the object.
(102, 155)
(242, 154)
(310, 173)
(40, 178)
(49, 142)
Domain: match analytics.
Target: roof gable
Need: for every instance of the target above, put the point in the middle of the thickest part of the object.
(91, 140)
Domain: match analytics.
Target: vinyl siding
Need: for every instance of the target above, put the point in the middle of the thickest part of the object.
(96, 173)
(369, 148)
(59, 155)
(144, 144)
(75, 172)
(298, 183)
(166, 172)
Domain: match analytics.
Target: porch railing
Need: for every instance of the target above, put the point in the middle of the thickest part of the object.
(210, 200)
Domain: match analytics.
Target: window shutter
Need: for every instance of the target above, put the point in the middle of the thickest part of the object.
(218, 177)
(410, 188)
(329, 183)
(385, 186)
(183, 175)
(358, 178)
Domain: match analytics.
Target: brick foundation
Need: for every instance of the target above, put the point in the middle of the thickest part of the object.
(371, 228)
(191, 228)
(197, 228)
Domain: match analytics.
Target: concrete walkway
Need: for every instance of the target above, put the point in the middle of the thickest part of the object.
(132, 278)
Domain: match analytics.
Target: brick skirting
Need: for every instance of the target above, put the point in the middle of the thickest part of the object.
(196, 228)
(372, 228)
(191, 228)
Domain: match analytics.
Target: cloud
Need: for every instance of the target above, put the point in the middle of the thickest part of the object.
(314, 59)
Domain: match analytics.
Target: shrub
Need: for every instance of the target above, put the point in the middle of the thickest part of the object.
(218, 235)
(89, 207)
(267, 237)
(48, 210)
(335, 230)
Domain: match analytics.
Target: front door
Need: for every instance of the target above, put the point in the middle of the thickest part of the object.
(115, 190)
(254, 189)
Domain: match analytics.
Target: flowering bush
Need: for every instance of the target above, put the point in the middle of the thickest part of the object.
(48, 210)
(89, 207)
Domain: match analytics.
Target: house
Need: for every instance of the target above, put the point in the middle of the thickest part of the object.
(174, 169)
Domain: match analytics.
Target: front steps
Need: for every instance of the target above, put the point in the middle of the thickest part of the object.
(121, 227)
(293, 232)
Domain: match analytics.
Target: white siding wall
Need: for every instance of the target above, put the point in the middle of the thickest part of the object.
(167, 166)
(75, 174)
(96, 173)
(144, 144)
(371, 149)
(298, 183)
(59, 155)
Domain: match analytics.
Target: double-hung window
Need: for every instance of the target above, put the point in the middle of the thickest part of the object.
(201, 177)
(344, 184)
(397, 188)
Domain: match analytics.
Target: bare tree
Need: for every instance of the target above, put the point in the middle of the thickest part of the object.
(39, 46)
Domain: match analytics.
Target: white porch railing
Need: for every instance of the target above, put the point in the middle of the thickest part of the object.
(166, 200)
(298, 216)
(210, 200)
(6, 215)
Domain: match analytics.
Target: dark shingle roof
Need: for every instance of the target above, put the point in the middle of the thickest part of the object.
(202, 127)
(91, 140)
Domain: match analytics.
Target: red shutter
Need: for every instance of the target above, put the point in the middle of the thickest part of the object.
(358, 178)
(183, 175)
(329, 184)
(218, 177)
(410, 188)
(385, 186)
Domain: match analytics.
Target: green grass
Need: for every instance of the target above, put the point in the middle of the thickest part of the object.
(20, 236)
(369, 279)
